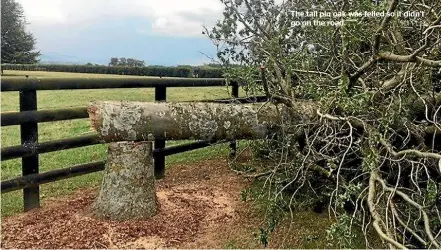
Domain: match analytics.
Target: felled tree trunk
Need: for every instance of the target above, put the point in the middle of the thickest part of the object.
(141, 121)
(128, 186)
(136, 121)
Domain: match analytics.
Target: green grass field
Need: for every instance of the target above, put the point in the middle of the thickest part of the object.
(12, 202)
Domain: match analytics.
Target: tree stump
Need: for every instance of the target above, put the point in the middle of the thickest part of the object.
(128, 186)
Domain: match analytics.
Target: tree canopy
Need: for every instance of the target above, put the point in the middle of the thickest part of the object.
(131, 62)
(17, 45)
(363, 86)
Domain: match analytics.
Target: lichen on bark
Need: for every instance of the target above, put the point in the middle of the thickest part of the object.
(120, 121)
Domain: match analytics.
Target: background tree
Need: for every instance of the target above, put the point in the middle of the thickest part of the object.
(17, 45)
(130, 62)
(114, 61)
(366, 135)
(122, 61)
(139, 63)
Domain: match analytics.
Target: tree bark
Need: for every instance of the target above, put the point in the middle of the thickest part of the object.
(128, 186)
(144, 121)
(141, 121)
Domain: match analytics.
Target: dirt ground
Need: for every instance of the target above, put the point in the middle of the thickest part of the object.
(200, 207)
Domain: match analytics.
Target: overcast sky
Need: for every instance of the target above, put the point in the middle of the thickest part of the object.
(166, 32)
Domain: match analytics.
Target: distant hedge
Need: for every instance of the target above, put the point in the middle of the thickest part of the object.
(178, 71)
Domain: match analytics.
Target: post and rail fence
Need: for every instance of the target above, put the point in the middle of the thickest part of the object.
(29, 117)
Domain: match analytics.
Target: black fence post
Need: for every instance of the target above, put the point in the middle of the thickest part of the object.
(29, 138)
(159, 160)
(234, 94)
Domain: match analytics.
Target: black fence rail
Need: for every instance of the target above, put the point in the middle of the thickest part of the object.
(28, 119)
(17, 84)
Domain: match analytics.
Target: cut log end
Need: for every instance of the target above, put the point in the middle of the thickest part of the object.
(92, 110)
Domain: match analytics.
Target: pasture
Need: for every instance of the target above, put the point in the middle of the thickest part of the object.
(12, 202)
